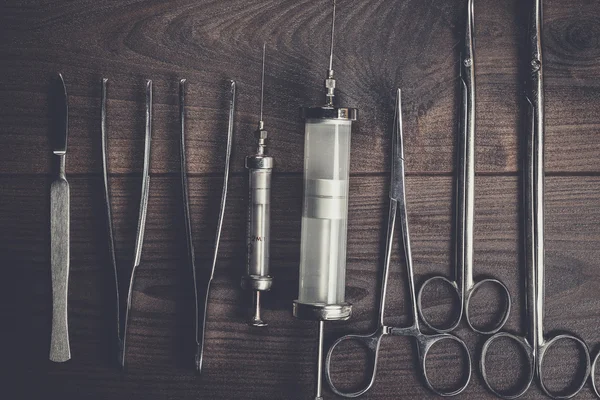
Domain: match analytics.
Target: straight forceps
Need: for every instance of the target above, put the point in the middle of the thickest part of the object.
(536, 344)
(424, 341)
(201, 309)
(124, 308)
(463, 284)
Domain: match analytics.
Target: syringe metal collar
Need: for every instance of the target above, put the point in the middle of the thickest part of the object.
(330, 88)
(322, 312)
(337, 113)
(259, 161)
(257, 282)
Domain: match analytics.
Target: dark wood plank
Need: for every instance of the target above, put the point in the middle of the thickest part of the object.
(380, 45)
(279, 361)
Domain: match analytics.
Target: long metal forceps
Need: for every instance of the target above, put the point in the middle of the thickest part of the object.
(201, 309)
(124, 308)
(373, 341)
(463, 283)
(535, 344)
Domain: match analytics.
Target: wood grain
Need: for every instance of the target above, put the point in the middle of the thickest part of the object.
(279, 361)
(380, 45)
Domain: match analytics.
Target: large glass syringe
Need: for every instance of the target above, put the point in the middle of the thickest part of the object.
(260, 167)
(325, 213)
(325, 209)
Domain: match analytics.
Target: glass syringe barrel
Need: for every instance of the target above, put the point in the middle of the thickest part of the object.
(259, 217)
(325, 212)
(325, 215)
(257, 276)
(260, 168)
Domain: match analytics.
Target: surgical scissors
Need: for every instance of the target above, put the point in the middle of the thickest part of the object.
(424, 341)
(535, 344)
(463, 283)
(593, 375)
(125, 308)
(201, 310)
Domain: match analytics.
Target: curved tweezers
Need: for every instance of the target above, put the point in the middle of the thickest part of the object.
(201, 310)
(122, 323)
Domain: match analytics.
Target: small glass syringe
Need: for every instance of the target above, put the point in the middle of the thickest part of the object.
(325, 212)
(260, 167)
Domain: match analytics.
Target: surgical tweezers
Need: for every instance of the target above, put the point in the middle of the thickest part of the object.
(463, 283)
(201, 310)
(535, 344)
(123, 308)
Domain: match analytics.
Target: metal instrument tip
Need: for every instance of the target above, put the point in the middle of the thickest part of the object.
(121, 355)
(199, 354)
(399, 131)
(62, 82)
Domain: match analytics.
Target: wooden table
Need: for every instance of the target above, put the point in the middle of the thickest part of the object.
(380, 45)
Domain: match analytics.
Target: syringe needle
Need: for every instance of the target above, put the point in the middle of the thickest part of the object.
(332, 34)
(330, 80)
(262, 85)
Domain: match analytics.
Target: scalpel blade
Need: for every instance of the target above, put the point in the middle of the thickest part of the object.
(59, 236)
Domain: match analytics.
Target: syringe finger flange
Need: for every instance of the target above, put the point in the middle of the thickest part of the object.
(257, 282)
(322, 312)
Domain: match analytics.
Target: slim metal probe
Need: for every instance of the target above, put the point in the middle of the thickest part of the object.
(201, 310)
(260, 167)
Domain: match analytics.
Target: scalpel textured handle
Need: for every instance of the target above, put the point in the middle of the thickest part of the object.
(59, 255)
